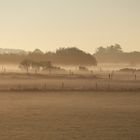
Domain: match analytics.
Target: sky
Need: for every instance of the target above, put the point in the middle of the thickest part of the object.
(86, 24)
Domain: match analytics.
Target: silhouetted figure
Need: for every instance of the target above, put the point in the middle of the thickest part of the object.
(135, 77)
(109, 76)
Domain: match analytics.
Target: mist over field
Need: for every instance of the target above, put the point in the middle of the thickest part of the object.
(69, 70)
(69, 94)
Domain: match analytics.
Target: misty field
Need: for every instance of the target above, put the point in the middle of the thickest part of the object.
(121, 81)
(69, 116)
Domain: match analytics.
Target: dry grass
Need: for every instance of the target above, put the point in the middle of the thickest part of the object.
(69, 116)
(64, 82)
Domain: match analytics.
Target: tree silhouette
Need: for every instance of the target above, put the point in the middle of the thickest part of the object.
(26, 64)
(110, 49)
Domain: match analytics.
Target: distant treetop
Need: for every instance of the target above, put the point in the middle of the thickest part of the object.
(37, 51)
(109, 49)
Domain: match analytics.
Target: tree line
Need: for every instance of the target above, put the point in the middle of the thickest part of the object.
(75, 56)
(62, 56)
(115, 54)
(35, 66)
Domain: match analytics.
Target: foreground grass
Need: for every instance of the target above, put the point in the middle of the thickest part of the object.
(69, 116)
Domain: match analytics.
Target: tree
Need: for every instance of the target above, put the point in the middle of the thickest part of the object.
(37, 52)
(118, 48)
(114, 49)
(74, 56)
(109, 50)
(26, 64)
(100, 50)
(35, 66)
(46, 64)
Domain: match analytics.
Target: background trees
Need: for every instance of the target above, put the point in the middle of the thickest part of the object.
(35, 66)
(25, 65)
(109, 49)
(62, 56)
(73, 56)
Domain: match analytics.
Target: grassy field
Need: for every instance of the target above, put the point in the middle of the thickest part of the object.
(69, 116)
(77, 82)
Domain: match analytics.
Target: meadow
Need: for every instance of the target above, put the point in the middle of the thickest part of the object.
(59, 106)
(97, 81)
(69, 116)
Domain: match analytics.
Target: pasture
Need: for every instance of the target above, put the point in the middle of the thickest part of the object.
(69, 115)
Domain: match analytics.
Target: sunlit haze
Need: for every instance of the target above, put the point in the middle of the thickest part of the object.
(86, 24)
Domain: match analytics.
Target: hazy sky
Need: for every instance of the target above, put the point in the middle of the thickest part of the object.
(87, 24)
